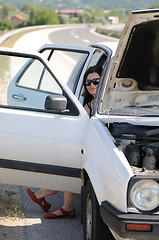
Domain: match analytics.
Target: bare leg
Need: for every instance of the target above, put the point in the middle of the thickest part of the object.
(68, 203)
(41, 193)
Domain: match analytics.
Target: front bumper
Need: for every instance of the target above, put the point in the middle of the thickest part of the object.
(117, 221)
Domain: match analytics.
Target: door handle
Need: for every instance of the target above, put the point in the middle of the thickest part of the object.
(18, 97)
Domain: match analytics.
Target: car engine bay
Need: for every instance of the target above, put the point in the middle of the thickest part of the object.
(140, 144)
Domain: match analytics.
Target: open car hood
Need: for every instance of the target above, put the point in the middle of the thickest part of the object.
(132, 85)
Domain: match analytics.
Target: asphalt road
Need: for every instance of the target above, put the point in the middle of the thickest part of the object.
(34, 226)
(73, 36)
(79, 36)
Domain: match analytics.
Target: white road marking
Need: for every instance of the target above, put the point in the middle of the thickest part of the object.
(85, 40)
(12, 222)
(73, 34)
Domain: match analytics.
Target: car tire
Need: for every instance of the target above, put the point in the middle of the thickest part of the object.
(93, 225)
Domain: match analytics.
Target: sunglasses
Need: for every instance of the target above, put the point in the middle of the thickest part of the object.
(95, 81)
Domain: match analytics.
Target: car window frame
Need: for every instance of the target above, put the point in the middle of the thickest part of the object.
(65, 89)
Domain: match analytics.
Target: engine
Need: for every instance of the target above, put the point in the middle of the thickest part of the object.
(140, 144)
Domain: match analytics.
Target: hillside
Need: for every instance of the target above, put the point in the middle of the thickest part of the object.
(80, 4)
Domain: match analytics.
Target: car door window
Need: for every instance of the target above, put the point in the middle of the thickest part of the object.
(63, 63)
(27, 82)
(35, 76)
(67, 64)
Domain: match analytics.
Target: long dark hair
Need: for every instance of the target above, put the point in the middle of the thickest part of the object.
(93, 69)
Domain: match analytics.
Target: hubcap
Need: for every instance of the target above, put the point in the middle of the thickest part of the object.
(89, 218)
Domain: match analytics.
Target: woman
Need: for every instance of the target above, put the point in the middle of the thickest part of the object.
(90, 81)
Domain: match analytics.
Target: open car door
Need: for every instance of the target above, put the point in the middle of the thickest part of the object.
(40, 141)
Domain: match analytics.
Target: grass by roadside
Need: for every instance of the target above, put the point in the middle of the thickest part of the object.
(9, 204)
(108, 33)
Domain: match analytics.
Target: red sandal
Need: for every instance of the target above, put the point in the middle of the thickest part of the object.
(64, 214)
(41, 202)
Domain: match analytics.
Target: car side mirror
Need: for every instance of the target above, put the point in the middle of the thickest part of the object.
(56, 103)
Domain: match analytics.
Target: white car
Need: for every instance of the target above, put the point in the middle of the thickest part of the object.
(47, 139)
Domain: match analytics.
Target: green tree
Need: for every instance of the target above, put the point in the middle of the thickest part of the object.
(99, 16)
(6, 25)
(121, 13)
(88, 15)
(115, 12)
(99, 12)
(61, 19)
(26, 8)
(33, 11)
(5, 11)
(46, 16)
(93, 16)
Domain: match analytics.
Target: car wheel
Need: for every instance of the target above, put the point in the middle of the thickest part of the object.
(93, 225)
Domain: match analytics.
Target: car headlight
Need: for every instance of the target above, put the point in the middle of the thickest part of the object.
(144, 195)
